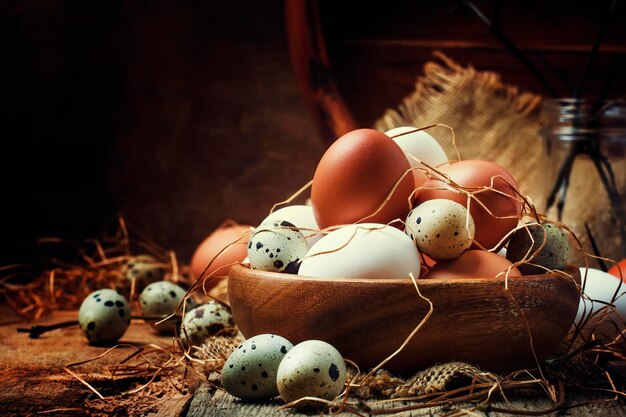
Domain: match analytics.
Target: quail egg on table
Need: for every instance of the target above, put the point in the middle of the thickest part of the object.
(250, 371)
(527, 240)
(311, 369)
(204, 321)
(143, 269)
(275, 247)
(160, 299)
(442, 229)
(104, 316)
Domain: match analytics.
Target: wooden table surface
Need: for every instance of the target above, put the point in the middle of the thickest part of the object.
(35, 383)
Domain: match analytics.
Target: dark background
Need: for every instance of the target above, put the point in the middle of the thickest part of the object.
(180, 115)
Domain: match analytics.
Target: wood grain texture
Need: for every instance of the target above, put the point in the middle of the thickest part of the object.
(210, 403)
(474, 320)
(33, 379)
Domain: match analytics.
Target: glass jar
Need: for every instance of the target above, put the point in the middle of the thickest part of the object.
(585, 172)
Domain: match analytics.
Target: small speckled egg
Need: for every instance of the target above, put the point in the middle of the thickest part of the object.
(204, 321)
(553, 255)
(104, 316)
(143, 269)
(311, 369)
(272, 247)
(250, 371)
(300, 216)
(161, 299)
(438, 228)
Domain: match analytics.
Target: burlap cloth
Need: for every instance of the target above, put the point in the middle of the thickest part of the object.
(216, 349)
(499, 123)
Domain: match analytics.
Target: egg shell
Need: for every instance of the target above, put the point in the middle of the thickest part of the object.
(203, 321)
(355, 176)
(234, 238)
(312, 368)
(143, 269)
(505, 209)
(601, 288)
(418, 145)
(250, 371)
(367, 250)
(300, 217)
(619, 270)
(473, 264)
(441, 229)
(527, 240)
(275, 247)
(162, 299)
(104, 316)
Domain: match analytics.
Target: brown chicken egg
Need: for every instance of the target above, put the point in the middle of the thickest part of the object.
(213, 244)
(355, 176)
(502, 202)
(473, 264)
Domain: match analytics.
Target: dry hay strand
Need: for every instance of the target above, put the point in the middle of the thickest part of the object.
(96, 264)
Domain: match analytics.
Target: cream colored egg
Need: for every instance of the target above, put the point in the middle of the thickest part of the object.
(312, 368)
(442, 229)
(418, 145)
(367, 250)
(601, 290)
(301, 217)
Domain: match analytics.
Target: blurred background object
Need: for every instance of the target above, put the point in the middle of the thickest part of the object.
(495, 64)
(179, 115)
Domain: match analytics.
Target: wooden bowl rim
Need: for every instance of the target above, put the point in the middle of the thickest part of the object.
(570, 269)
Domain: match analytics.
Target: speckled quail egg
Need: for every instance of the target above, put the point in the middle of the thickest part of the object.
(274, 247)
(204, 321)
(160, 299)
(143, 269)
(553, 255)
(438, 228)
(311, 369)
(250, 371)
(104, 316)
(300, 216)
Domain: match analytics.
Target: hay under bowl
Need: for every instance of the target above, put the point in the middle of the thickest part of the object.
(474, 320)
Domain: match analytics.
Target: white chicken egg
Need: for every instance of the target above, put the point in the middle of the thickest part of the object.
(311, 369)
(104, 316)
(418, 145)
(250, 371)
(301, 217)
(367, 250)
(442, 229)
(605, 289)
(275, 247)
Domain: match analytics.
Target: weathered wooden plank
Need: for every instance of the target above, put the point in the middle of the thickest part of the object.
(209, 402)
(34, 381)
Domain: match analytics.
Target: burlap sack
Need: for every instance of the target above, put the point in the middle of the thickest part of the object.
(499, 123)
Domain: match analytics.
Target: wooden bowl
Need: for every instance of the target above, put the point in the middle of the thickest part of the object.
(474, 320)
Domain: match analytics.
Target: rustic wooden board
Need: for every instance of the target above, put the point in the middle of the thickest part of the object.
(33, 379)
(208, 402)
